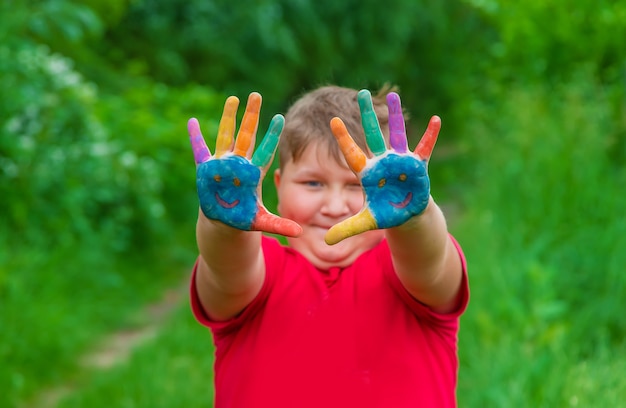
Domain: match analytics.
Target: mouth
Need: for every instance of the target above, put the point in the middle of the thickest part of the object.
(404, 202)
(224, 203)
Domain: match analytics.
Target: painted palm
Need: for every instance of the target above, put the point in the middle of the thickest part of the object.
(229, 182)
(395, 180)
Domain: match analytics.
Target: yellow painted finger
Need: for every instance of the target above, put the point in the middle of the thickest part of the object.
(355, 157)
(361, 222)
(226, 130)
(247, 131)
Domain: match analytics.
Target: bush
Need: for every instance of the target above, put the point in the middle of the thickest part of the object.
(543, 232)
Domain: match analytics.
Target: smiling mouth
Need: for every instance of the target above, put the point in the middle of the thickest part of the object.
(404, 202)
(225, 204)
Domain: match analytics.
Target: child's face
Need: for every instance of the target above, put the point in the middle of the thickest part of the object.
(317, 192)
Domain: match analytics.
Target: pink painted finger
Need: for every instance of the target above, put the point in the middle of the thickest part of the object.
(226, 130)
(355, 157)
(426, 145)
(268, 222)
(201, 152)
(247, 131)
(397, 130)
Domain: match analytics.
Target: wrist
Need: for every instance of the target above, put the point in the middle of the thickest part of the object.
(416, 221)
(207, 227)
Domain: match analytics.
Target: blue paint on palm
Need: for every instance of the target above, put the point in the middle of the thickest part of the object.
(396, 188)
(227, 188)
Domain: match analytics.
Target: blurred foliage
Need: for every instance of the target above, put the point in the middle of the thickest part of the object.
(283, 48)
(545, 226)
(96, 175)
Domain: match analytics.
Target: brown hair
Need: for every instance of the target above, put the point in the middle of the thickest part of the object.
(308, 120)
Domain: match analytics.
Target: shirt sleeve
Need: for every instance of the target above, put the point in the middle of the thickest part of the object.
(271, 252)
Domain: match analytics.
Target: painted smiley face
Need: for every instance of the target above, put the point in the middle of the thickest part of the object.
(397, 188)
(227, 189)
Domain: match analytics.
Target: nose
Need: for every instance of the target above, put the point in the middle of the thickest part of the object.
(336, 203)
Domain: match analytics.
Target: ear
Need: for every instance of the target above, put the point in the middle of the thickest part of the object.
(277, 178)
(277, 184)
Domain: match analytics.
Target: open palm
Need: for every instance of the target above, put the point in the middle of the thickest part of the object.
(229, 183)
(395, 181)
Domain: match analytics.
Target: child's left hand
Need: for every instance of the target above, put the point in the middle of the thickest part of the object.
(395, 181)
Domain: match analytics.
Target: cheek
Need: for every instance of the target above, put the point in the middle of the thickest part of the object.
(356, 200)
(296, 205)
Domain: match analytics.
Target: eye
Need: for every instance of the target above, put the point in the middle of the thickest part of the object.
(402, 177)
(312, 183)
(381, 182)
(217, 178)
(236, 182)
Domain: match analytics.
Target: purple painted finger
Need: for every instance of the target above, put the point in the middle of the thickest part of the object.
(397, 130)
(201, 152)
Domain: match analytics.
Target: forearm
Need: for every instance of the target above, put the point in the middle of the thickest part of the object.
(231, 267)
(421, 240)
(425, 258)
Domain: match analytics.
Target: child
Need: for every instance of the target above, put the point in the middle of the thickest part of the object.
(362, 308)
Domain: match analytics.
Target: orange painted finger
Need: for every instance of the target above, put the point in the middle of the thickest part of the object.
(247, 131)
(226, 129)
(355, 157)
(426, 145)
(268, 222)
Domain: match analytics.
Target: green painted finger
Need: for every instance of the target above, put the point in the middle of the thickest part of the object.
(369, 120)
(265, 152)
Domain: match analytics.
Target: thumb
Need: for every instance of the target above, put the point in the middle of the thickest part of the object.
(358, 223)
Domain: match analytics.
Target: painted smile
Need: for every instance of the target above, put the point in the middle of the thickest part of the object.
(225, 204)
(404, 202)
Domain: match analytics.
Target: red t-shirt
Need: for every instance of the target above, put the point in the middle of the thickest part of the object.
(342, 338)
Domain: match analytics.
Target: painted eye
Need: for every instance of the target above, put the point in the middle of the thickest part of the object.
(217, 178)
(381, 182)
(236, 182)
(402, 177)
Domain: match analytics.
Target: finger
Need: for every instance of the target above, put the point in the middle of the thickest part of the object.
(369, 120)
(268, 222)
(355, 157)
(201, 152)
(361, 222)
(226, 130)
(397, 131)
(426, 145)
(247, 131)
(265, 152)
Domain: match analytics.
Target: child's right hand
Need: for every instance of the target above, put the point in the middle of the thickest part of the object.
(229, 183)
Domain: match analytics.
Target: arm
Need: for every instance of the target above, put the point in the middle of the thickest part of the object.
(231, 267)
(397, 197)
(426, 260)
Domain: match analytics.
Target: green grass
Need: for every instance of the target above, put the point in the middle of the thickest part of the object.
(57, 303)
(173, 370)
(543, 230)
(541, 222)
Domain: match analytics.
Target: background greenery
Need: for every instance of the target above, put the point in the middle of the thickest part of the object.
(97, 194)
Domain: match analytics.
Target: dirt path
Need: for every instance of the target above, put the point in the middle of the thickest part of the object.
(116, 348)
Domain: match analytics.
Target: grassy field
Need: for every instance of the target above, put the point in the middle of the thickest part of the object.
(544, 240)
